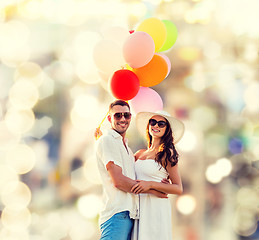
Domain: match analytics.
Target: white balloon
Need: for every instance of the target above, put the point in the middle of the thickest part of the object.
(108, 56)
(116, 34)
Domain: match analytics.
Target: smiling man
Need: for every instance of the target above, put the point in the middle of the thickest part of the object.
(116, 167)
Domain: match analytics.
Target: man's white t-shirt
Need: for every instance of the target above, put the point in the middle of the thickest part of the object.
(110, 148)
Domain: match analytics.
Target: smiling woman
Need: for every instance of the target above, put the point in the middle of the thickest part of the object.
(154, 164)
(157, 126)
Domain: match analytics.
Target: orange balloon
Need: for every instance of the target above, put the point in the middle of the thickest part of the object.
(152, 73)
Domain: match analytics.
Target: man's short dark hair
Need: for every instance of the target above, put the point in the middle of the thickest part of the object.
(118, 102)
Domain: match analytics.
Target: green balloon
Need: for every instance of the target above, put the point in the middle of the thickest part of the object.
(171, 36)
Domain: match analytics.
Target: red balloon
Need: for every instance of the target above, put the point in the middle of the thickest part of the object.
(124, 84)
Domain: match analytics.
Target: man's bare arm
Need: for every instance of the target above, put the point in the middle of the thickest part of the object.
(119, 180)
(124, 183)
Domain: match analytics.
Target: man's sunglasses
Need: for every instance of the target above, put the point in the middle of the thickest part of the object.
(119, 115)
(160, 124)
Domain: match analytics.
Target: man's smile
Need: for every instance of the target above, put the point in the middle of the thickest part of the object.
(123, 124)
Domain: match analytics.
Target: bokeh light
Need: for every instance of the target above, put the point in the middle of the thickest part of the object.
(19, 121)
(235, 145)
(31, 9)
(213, 174)
(78, 181)
(91, 171)
(241, 24)
(225, 166)
(47, 87)
(23, 94)
(204, 116)
(86, 230)
(216, 144)
(248, 197)
(83, 114)
(217, 233)
(8, 234)
(2, 14)
(200, 13)
(7, 175)
(254, 142)
(14, 36)
(31, 72)
(84, 43)
(61, 72)
(189, 54)
(16, 195)
(21, 158)
(244, 223)
(251, 97)
(138, 9)
(7, 137)
(16, 220)
(216, 172)
(89, 206)
(186, 204)
(188, 142)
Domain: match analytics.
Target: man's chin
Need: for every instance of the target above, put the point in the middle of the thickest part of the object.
(121, 129)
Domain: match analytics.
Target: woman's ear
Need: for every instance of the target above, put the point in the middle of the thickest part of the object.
(109, 118)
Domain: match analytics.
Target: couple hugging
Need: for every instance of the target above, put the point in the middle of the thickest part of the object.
(135, 186)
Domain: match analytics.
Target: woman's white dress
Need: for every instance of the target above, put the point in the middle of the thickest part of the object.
(155, 213)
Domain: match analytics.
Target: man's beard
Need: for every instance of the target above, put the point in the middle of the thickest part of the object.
(118, 129)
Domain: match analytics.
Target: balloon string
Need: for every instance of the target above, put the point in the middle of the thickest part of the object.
(103, 120)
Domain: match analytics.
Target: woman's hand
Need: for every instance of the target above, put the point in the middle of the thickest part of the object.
(159, 194)
(141, 187)
(98, 133)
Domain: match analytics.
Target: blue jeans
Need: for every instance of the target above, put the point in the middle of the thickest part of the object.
(118, 227)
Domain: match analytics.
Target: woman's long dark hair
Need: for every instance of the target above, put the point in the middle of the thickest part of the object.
(167, 143)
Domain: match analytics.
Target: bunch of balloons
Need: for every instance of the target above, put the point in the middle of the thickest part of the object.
(132, 61)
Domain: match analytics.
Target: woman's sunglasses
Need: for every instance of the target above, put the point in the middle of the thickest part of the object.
(160, 124)
(119, 115)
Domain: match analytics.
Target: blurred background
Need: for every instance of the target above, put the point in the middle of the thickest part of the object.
(52, 97)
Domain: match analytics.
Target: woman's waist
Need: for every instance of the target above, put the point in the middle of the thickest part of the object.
(151, 178)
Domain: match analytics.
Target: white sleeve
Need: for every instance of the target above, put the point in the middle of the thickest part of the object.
(109, 151)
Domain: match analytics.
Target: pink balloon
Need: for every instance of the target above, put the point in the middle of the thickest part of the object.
(138, 49)
(167, 62)
(147, 99)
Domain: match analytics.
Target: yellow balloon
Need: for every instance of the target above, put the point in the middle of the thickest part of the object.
(156, 29)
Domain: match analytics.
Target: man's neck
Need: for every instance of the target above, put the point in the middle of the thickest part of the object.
(122, 134)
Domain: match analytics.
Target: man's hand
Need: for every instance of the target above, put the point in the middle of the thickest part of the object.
(165, 180)
(141, 187)
(98, 133)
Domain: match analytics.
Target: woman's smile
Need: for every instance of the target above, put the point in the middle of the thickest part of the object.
(155, 130)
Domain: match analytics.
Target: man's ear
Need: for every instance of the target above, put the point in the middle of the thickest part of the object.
(109, 118)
